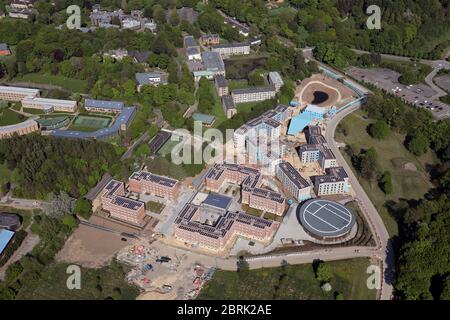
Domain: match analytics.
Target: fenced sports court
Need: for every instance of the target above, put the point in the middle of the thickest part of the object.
(94, 122)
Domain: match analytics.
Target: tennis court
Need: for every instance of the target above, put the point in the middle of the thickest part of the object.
(93, 122)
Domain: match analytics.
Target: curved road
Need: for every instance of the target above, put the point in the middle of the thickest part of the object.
(375, 222)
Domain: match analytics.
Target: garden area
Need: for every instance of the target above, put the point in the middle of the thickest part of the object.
(347, 278)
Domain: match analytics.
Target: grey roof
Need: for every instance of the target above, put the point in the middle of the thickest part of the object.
(213, 61)
(117, 105)
(140, 57)
(144, 77)
(189, 42)
(325, 218)
(221, 81)
(217, 200)
(228, 102)
(148, 176)
(231, 45)
(253, 90)
(336, 174)
(293, 175)
(192, 50)
(9, 220)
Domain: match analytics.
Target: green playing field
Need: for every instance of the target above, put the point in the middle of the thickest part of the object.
(92, 121)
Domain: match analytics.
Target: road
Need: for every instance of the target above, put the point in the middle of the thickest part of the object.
(24, 204)
(371, 214)
(130, 150)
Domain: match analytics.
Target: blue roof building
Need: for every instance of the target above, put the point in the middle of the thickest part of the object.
(103, 105)
(5, 238)
(299, 123)
(206, 119)
(121, 124)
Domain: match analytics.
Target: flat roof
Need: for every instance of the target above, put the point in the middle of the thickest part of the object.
(103, 104)
(253, 90)
(316, 109)
(231, 45)
(217, 200)
(46, 101)
(19, 89)
(293, 175)
(189, 41)
(228, 102)
(5, 238)
(205, 118)
(325, 218)
(221, 81)
(298, 124)
(213, 61)
(17, 126)
(159, 140)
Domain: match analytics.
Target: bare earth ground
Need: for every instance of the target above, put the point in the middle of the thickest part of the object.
(90, 248)
(337, 92)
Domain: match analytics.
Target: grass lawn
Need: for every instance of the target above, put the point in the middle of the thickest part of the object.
(73, 85)
(246, 107)
(155, 207)
(96, 284)
(237, 84)
(291, 282)
(392, 156)
(33, 111)
(9, 117)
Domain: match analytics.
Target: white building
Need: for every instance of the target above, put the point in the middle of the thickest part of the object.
(253, 94)
(276, 80)
(50, 104)
(230, 49)
(17, 93)
(335, 181)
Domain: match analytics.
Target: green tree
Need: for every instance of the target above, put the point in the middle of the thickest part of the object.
(379, 130)
(418, 144)
(83, 208)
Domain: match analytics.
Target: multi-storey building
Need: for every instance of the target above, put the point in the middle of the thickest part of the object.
(50, 105)
(335, 181)
(298, 186)
(192, 48)
(210, 39)
(215, 228)
(146, 182)
(20, 129)
(103, 106)
(154, 78)
(221, 85)
(17, 93)
(317, 149)
(228, 106)
(249, 180)
(114, 202)
(276, 80)
(253, 94)
(229, 49)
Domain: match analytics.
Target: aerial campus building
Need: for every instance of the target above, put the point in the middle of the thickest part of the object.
(229, 107)
(249, 179)
(154, 78)
(276, 80)
(253, 94)
(192, 48)
(291, 179)
(317, 149)
(103, 106)
(49, 105)
(221, 85)
(146, 182)
(268, 123)
(212, 227)
(20, 129)
(17, 93)
(229, 49)
(121, 123)
(210, 65)
(115, 203)
(326, 220)
(335, 181)
(210, 39)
